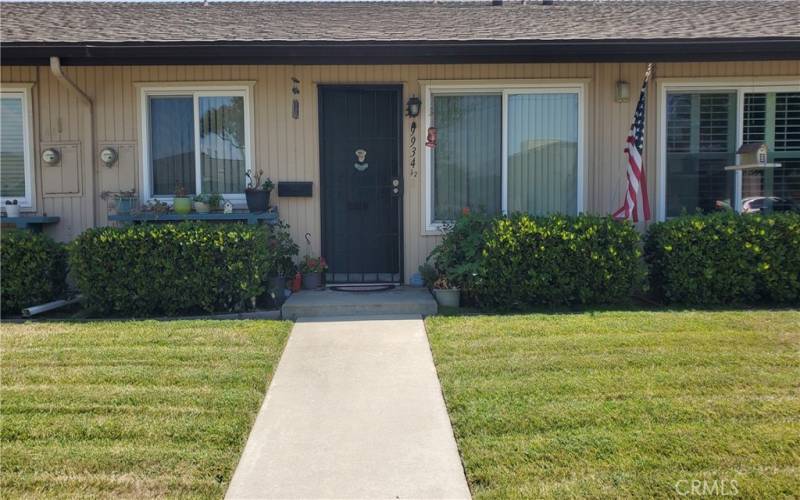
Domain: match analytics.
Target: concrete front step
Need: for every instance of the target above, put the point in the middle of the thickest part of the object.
(317, 303)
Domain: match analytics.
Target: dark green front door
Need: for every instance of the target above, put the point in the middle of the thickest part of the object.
(360, 182)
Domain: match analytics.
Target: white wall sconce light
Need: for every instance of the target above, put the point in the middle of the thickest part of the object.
(623, 91)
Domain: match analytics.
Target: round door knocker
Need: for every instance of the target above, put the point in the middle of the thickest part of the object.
(361, 157)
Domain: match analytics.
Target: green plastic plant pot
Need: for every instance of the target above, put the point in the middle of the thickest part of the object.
(182, 205)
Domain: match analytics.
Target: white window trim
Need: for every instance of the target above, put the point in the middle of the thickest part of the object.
(503, 88)
(196, 90)
(741, 86)
(23, 91)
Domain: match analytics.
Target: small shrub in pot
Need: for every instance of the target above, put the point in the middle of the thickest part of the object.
(257, 192)
(215, 201)
(123, 202)
(200, 204)
(281, 249)
(181, 203)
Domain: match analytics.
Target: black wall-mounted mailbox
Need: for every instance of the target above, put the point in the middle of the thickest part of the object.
(297, 189)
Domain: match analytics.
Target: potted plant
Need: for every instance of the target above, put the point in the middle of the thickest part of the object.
(123, 201)
(312, 269)
(445, 292)
(12, 208)
(281, 250)
(257, 193)
(200, 204)
(181, 203)
(155, 207)
(215, 202)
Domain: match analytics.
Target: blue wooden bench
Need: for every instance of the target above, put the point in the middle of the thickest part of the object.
(33, 223)
(249, 217)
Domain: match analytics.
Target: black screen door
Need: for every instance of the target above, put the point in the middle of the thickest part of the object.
(360, 183)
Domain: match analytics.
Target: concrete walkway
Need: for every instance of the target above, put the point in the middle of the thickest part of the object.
(355, 410)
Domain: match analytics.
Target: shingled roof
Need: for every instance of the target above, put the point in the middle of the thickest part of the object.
(395, 21)
(32, 24)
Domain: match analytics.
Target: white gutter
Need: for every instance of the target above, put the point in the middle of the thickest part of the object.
(55, 68)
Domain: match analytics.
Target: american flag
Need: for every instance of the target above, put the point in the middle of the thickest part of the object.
(636, 207)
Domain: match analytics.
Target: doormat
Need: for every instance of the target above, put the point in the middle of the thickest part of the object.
(361, 288)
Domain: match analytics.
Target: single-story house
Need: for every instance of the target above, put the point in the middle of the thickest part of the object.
(523, 106)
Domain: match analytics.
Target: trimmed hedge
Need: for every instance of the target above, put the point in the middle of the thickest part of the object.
(521, 260)
(458, 257)
(168, 269)
(34, 270)
(726, 258)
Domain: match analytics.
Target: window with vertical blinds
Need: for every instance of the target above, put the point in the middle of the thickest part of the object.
(467, 156)
(543, 153)
(14, 151)
(539, 159)
(197, 140)
(701, 142)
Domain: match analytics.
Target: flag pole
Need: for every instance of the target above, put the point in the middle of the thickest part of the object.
(636, 205)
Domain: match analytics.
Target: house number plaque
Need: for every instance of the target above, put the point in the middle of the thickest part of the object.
(412, 154)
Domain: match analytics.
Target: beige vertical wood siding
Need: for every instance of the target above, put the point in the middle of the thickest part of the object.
(288, 149)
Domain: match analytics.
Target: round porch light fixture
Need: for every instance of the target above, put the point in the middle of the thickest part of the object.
(412, 106)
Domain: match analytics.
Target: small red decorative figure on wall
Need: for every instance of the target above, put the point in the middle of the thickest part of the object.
(430, 141)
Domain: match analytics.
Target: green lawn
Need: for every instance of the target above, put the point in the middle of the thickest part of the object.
(132, 409)
(624, 404)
